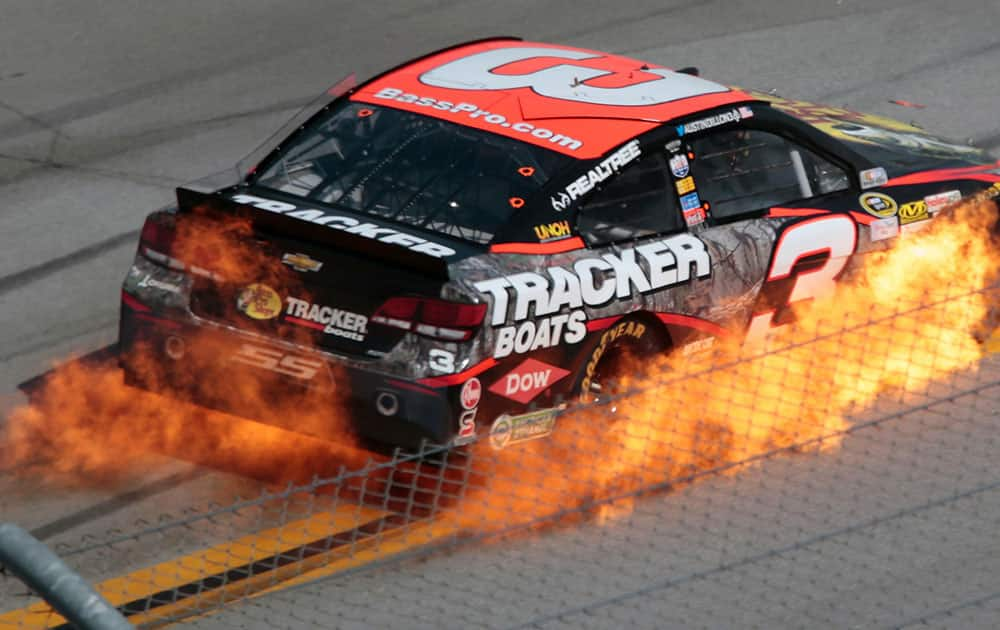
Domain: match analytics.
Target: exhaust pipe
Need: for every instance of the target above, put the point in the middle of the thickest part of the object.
(175, 348)
(387, 403)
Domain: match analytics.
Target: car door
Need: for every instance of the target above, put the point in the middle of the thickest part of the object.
(775, 215)
(636, 216)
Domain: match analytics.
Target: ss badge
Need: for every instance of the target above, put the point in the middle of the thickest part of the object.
(277, 361)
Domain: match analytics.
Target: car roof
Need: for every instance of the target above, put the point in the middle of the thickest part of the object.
(579, 102)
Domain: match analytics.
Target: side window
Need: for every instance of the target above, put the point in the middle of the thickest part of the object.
(637, 202)
(744, 170)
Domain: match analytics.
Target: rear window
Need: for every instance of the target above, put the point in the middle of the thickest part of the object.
(411, 169)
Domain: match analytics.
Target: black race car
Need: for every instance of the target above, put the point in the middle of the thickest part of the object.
(471, 238)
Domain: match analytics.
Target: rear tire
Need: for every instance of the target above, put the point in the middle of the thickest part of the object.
(620, 348)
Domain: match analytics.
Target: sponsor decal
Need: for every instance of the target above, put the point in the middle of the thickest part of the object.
(913, 212)
(690, 202)
(152, 283)
(547, 332)
(332, 321)
(873, 178)
(622, 329)
(700, 346)
(259, 301)
(879, 205)
(534, 297)
(883, 229)
(507, 430)
(684, 186)
(679, 166)
(301, 262)
(471, 393)
(347, 224)
(940, 201)
(586, 182)
(725, 118)
(277, 361)
(694, 217)
(466, 428)
(527, 380)
(562, 202)
(474, 112)
(553, 231)
(692, 209)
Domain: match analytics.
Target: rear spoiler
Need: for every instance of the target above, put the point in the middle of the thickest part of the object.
(411, 250)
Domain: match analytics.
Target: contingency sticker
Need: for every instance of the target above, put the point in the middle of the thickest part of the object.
(685, 186)
(694, 212)
(940, 201)
(680, 166)
(874, 177)
(554, 231)
(507, 430)
(913, 212)
(884, 229)
(878, 204)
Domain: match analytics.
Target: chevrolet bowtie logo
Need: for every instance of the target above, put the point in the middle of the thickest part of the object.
(301, 262)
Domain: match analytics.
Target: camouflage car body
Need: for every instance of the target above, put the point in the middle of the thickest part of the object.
(561, 282)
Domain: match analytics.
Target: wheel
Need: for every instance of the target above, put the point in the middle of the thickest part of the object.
(619, 349)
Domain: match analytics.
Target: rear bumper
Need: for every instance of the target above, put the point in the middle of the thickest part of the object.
(171, 356)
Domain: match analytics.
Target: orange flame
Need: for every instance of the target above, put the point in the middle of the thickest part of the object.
(908, 316)
(85, 426)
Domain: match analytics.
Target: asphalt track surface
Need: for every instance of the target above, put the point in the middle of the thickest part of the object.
(106, 106)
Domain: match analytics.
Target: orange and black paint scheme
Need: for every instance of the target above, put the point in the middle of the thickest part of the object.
(441, 324)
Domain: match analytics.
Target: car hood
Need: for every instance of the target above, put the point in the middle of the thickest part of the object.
(899, 147)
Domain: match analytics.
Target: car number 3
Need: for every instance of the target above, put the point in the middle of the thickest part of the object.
(566, 81)
(795, 254)
(441, 360)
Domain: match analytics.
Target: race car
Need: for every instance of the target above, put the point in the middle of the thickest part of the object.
(477, 236)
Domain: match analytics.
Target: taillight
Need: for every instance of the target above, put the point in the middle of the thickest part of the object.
(440, 319)
(156, 241)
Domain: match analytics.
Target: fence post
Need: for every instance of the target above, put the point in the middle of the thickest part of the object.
(48, 576)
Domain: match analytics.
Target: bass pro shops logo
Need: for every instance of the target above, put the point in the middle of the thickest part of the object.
(259, 301)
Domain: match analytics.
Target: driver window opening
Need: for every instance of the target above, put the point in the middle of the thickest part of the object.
(748, 170)
(637, 202)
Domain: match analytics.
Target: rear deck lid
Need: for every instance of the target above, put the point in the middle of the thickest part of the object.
(318, 275)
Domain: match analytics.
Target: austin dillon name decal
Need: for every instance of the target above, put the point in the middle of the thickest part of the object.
(590, 282)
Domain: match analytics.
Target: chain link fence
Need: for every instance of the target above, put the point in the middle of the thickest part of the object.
(842, 474)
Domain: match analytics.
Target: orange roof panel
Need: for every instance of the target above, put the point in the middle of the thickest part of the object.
(580, 102)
